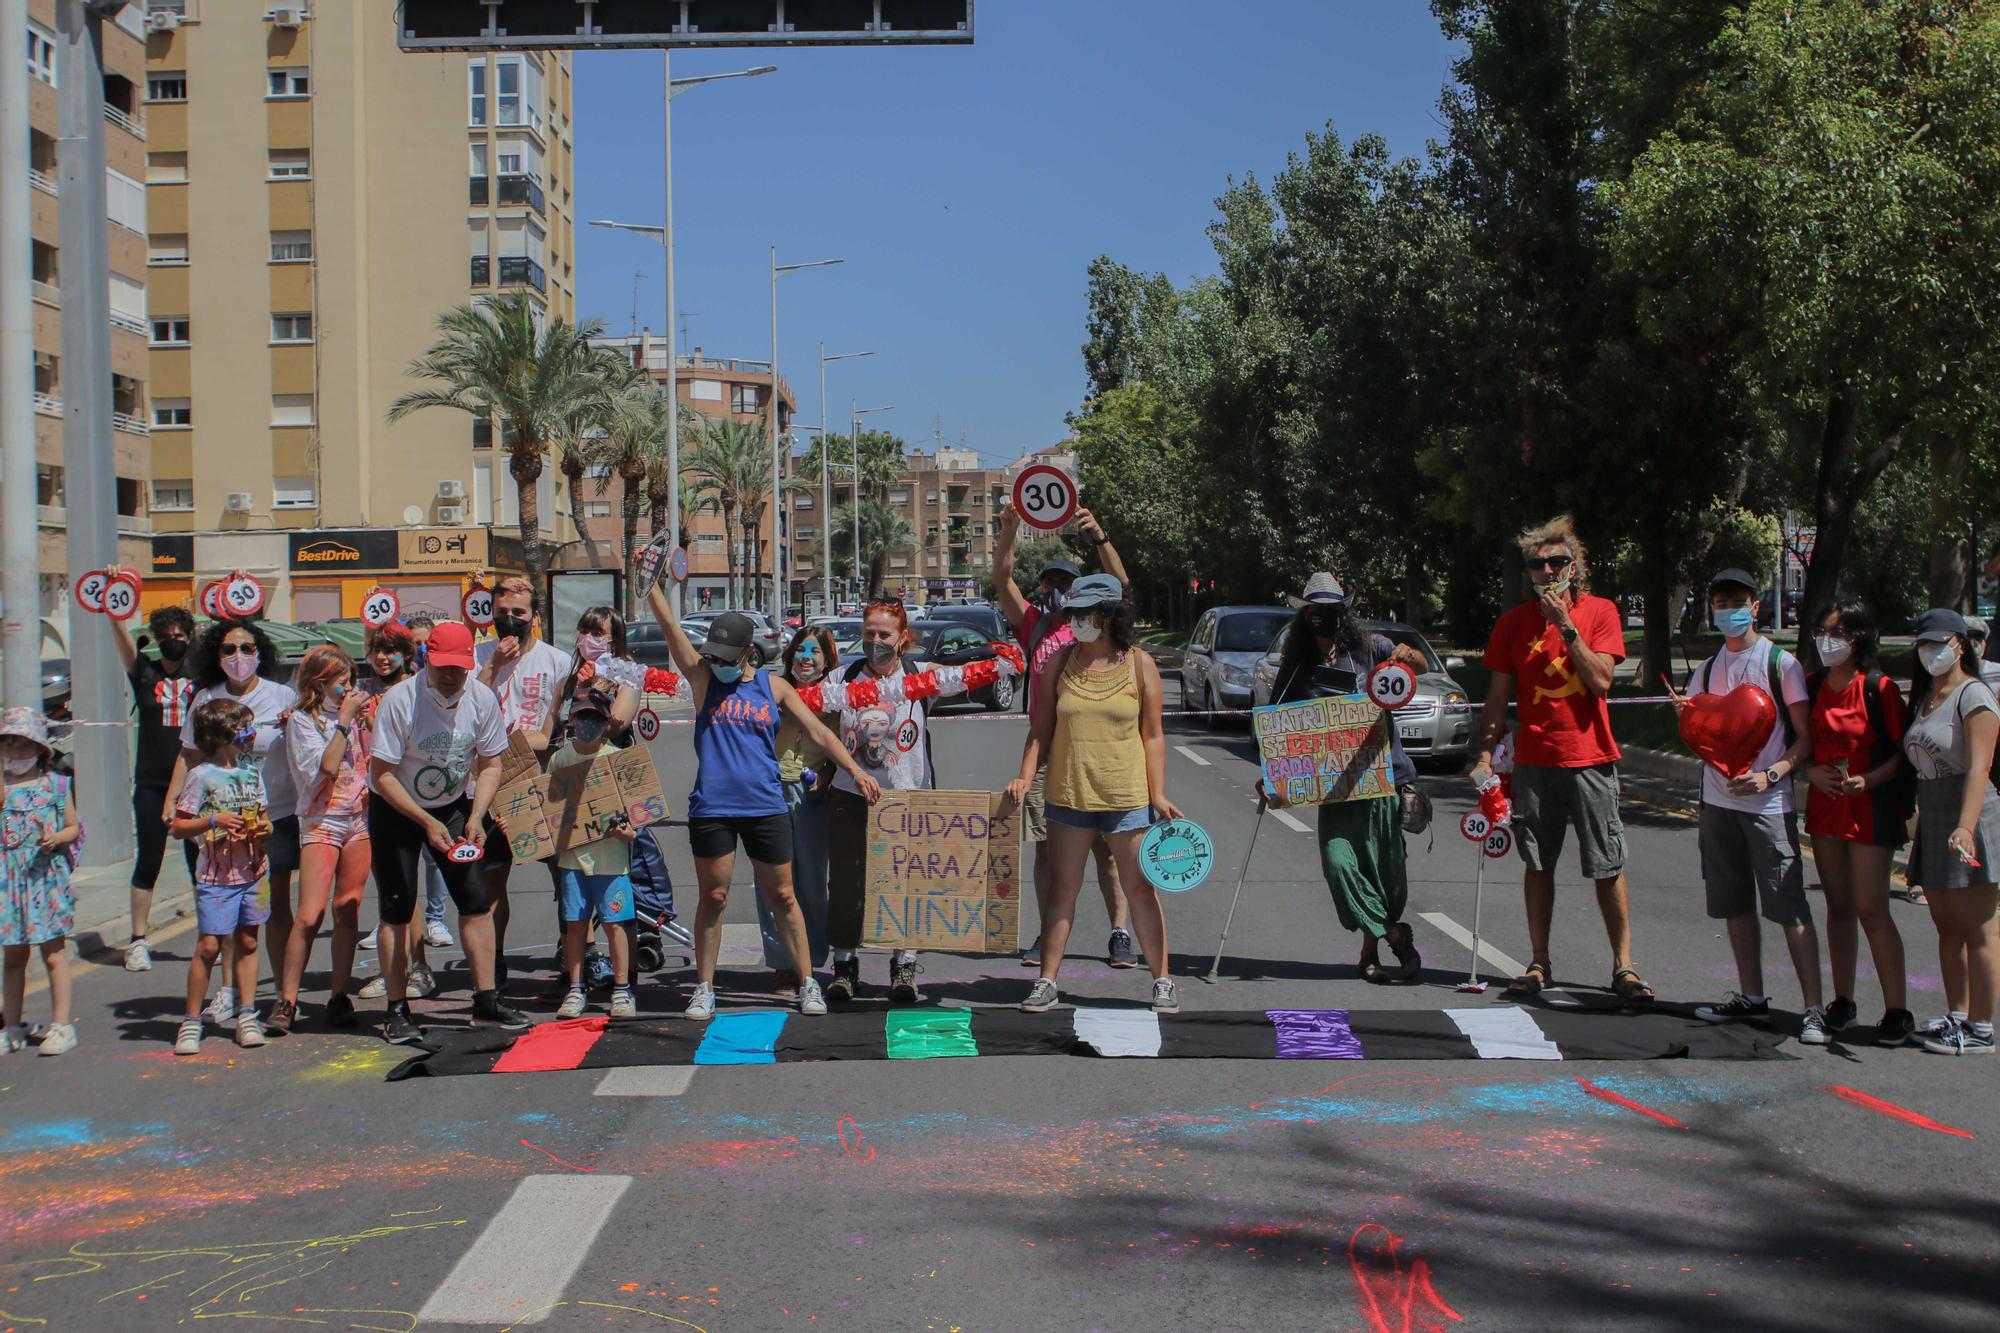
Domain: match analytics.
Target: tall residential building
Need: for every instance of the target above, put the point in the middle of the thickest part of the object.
(308, 225)
(125, 146)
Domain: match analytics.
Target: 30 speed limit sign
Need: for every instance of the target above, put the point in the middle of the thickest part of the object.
(242, 597)
(1499, 842)
(90, 590)
(210, 601)
(1475, 826)
(1392, 684)
(478, 606)
(121, 596)
(647, 724)
(1044, 497)
(379, 607)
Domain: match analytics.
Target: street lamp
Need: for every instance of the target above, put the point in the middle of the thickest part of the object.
(665, 233)
(777, 454)
(854, 415)
(825, 477)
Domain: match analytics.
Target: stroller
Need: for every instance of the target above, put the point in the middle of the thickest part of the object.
(653, 892)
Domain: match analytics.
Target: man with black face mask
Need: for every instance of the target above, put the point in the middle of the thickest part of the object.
(161, 692)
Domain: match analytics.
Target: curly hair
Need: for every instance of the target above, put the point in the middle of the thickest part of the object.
(205, 663)
(1560, 531)
(165, 618)
(217, 722)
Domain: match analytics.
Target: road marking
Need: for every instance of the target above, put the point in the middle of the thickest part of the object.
(1193, 755)
(646, 1081)
(1463, 937)
(517, 1269)
(1284, 817)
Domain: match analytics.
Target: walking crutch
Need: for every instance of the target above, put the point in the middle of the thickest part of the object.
(1472, 983)
(1236, 897)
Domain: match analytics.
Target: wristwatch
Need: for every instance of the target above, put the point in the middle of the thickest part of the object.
(1772, 776)
(1569, 633)
(345, 728)
(1100, 541)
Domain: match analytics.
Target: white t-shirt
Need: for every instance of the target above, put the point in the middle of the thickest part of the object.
(430, 748)
(527, 686)
(267, 701)
(890, 743)
(1724, 672)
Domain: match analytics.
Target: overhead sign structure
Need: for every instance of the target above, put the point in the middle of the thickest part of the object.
(595, 25)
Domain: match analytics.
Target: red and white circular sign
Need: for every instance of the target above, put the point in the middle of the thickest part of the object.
(466, 852)
(1475, 826)
(209, 601)
(647, 724)
(1392, 684)
(121, 596)
(242, 597)
(1499, 842)
(90, 590)
(380, 607)
(477, 606)
(1045, 497)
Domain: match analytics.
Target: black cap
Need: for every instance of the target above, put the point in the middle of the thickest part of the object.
(1068, 567)
(589, 701)
(1736, 578)
(729, 636)
(1941, 623)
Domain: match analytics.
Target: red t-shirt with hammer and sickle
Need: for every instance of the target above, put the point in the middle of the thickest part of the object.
(1563, 725)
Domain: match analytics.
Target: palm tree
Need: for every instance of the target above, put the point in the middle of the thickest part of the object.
(491, 361)
(634, 442)
(693, 424)
(732, 467)
(882, 530)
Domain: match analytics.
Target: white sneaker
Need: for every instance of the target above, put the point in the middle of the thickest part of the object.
(138, 957)
(572, 1004)
(249, 1029)
(368, 940)
(622, 1003)
(811, 999)
(374, 990)
(1166, 999)
(437, 935)
(701, 1005)
(60, 1041)
(13, 1039)
(1812, 1028)
(188, 1041)
(223, 1007)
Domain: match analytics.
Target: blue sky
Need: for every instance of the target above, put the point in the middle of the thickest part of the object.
(968, 188)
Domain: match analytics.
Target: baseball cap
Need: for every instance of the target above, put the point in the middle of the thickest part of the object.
(588, 701)
(1735, 578)
(1094, 590)
(1068, 567)
(729, 636)
(450, 645)
(1941, 623)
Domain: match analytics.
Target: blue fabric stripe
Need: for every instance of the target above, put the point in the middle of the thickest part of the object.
(742, 1039)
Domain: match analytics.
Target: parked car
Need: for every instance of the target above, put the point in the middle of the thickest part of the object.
(767, 643)
(982, 616)
(1221, 653)
(950, 644)
(1436, 725)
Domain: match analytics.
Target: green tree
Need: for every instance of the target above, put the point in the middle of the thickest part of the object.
(634, 442)
(882, 531)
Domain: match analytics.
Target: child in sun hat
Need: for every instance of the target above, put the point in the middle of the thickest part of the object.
(39, 838)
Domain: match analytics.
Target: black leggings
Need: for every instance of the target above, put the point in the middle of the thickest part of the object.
(147, 803)
(398, 842)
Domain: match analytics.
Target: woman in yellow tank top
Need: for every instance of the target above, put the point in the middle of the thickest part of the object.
(1097, 722)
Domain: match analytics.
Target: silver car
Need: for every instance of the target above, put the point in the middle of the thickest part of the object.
(1435, 726)
(1227, 643)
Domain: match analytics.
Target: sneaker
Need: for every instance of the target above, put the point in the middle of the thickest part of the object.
(1120, 949)
(785, 984)
(368, 940)
(1938, 1027)
(1032, 955)
(1961, 1040)
(1842, 1014)
(903, 981)
(1894, 1027)
(846, 983)
(1166, 997)
(1735, 1009)
(421, 982)
(438, 935)
(188, 1040)
(400, 1029)
(62, 1039)
(138, 956)
(572, 1004)
(249, 1028)
(1041, 996)
(1812, 1028)
(284, 1014)
(701, 1005)
(223, 1007)
(489, 1011)
(13, 1039)
(811, 1001)
(374, 990)
(622, 1003)
(340, 1012)
(596, 969)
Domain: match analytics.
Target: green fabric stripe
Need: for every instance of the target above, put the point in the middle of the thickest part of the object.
(930, 1034)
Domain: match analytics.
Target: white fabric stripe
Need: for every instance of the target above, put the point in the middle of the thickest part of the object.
(524, 1259)
(1119, 1032)
(645, 1081)
(1504, 1032)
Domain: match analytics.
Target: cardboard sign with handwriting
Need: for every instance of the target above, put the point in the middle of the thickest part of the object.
(943, 872)
(1324, 750)
(521, 808)
(544, 814)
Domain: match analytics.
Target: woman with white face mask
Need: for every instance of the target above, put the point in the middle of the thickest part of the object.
(1857, 807)
(806, 772)
(1954, 722)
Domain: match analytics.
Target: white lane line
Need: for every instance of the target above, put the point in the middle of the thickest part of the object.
(1284, 817)
(1193, 755)
(646, 1081)
(1463, 938)
(524, 1259)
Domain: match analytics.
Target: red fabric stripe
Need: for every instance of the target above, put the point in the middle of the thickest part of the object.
(549, 1046)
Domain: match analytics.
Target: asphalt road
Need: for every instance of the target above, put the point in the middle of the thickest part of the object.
(293, 1187)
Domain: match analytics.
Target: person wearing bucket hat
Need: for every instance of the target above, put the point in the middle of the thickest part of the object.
(39, 831)
(1954, 724)
(1041, 626)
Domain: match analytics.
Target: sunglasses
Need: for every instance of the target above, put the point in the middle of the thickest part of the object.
(246, 738)
(1550, 561)
(232, 649)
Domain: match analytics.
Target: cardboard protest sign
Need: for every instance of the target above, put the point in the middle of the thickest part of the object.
(1323, 750)
(639, 785)
(544, 814)
(584, 803)
(521, 808)
(943, 872)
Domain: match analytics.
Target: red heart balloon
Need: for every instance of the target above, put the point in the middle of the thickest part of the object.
(1728, 731)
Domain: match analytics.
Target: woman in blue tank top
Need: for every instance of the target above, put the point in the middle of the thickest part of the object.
(737, 792)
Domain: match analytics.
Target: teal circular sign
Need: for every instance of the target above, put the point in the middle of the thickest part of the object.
(1176, 855)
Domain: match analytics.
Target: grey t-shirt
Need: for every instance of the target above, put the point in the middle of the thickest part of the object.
(1936, 744)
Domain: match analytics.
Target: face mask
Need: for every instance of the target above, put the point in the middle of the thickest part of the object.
(445, 701)
(510, 627)
(588, 727)
(1938, 658)
(173, 650)
(240, 667)
(880, 654)
(423, 655)
(1832, 651)
(590, 647)
(1734, 622)
(22, 765)
(1056, 598)
(728, 675)
(1087, 631)
(1559, 587)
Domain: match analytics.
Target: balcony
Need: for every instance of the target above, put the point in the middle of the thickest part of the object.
(47, 293)
(124, 122)
(129, 324)
(48, 404)
(477, 194)
(516, 270)
(42, 181)
(130, 424)
(523, 190)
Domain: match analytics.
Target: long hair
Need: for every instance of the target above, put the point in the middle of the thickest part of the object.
(1302, 656)
(604, 620)
(1924, 683)
(205, 665)
(1859, 623)
(1560, 531)
(819, 634)
(1117, 618)
(314, 678)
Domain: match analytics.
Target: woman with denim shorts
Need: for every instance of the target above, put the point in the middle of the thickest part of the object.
(1098, 721)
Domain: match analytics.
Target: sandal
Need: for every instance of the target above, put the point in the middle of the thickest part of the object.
(1627, 985)
(1529, 984)
(1402, 942)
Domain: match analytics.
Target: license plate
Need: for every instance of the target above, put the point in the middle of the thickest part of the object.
(1410, 733)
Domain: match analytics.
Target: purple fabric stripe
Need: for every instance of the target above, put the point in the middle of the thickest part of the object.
(1314, 1034)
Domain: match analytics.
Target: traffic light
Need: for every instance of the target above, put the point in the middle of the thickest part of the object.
(585, 25)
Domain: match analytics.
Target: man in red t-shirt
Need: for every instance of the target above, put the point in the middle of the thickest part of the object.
(1553, 657)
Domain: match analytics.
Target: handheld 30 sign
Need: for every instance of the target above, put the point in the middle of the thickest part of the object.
(90, 590)
(1392, 684)
(1044, 497)
(379, 607)
(121, 596)
(242, 596)
(477, 606)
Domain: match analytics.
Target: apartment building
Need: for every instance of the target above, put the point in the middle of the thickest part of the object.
(125, 147)
(311, 195)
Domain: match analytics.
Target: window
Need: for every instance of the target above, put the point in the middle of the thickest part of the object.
(705, 391)
(297, 328)
(176, 496)
(172, 414)
(289, 164)
(805, 533)
(167, 248)
(166, 168)
(291, 82)
(898, 562)
(169, 85)
(979, 499)
(510, 161)
(49, 488)
(291, 247)
(293, 493)
(597, 509)
(598, 471)
(930, 497)
(899, 497)
(507, 89)
(479, 160)
(708, 539)
(171, 331)
(41, 53)
(804, 502)
(476, 95)
(291, 409)
(124, 201)
(743, 398)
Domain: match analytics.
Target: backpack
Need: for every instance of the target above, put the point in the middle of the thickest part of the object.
(1774, 685)
(1900, 792)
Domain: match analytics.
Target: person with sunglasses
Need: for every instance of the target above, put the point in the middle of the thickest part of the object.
(1553, 657)
(804, 768)
(738, 794)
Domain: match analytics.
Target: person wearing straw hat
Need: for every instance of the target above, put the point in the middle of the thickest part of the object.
(1360, 842)
(39, 833)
